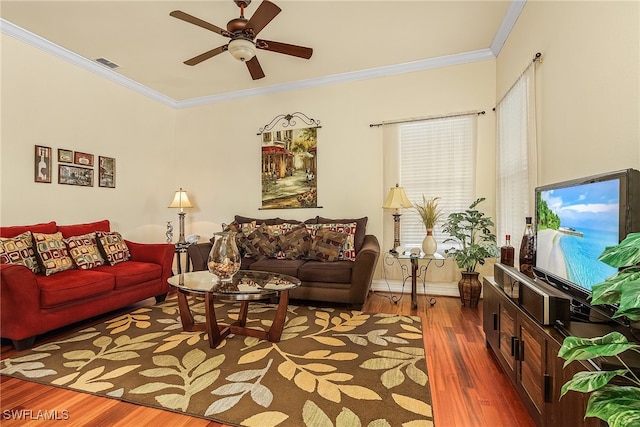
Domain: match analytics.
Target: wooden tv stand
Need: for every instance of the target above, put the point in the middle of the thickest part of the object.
(528, 353)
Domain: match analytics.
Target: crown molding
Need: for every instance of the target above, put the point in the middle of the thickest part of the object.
(492, 52)
(371, 73)
(506, 25)
(35, 40)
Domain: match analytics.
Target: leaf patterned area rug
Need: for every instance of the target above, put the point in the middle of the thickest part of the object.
(332, 367)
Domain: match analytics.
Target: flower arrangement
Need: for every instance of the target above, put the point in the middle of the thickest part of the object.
(429, 211)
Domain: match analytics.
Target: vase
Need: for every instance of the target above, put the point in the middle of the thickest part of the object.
(224, 258)
(429, 244)
(470, 288)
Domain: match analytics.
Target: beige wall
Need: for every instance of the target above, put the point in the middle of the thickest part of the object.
(588, 86)
(47, 101)
(588, 122)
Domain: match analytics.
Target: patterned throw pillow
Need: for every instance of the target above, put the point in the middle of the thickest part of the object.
(277, 230)
(84, 251)
(113, 247)
(327, 245)
(261, 243)
(243, 230)
(52, 252)
(295, 243)
(348, 249)
(19, 251)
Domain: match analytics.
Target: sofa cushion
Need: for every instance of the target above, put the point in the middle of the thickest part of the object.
(18, 250)
(52, 253)
(14, 230)
(84, 251)
(131, 273)
(295, 243)
(86, 228)
(326, 245)
(348, 250)
(113, 247)
(361, 228)
(282, 266)
(261, 243)
(73, 285)
(270, 221)
(318, 271)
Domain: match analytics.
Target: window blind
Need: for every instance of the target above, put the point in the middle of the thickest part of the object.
(437, 159)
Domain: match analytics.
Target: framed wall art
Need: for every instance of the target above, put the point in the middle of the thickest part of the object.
(106, 172)
(75, 175)
(83, 159)
(65, 156)
(42, 164)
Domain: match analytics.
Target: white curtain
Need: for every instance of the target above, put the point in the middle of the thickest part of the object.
(516, 158)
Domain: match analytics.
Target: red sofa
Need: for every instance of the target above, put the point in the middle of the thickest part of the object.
(32, 304)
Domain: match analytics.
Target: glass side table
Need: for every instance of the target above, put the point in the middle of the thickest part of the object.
(419, 265)
(180, 249)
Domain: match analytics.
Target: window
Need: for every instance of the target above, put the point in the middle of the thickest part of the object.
(436, 158)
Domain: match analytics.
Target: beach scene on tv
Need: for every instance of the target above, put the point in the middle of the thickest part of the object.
(574, 226)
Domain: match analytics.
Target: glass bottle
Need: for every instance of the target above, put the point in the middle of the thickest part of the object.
(224, 258)
(527, 249)
(507, 252)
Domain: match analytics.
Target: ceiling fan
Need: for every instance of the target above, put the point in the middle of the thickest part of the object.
(242, 32)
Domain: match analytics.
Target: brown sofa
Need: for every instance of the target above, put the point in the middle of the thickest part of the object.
(32, 303)
(341, 281)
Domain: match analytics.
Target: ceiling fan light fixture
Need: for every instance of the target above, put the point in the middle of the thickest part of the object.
(242, 49)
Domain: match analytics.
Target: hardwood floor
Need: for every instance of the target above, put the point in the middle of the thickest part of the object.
(467, 386)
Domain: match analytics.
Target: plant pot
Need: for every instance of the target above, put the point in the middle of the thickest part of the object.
(470, 288)
(429, 244)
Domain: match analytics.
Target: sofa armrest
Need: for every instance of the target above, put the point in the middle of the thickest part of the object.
(155, 253)
(363, 269)
(199, 255)
(19, 302)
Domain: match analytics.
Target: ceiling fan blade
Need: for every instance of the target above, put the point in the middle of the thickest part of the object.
(254, 68)
(197, 21)
(263, 15)
(204, 56)
(287, 49)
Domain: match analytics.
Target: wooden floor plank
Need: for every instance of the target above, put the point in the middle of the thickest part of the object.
(468, 387)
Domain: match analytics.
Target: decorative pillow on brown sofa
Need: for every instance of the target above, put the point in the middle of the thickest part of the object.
(19, 251)
(52, 252)
(84, 251)
(348, 250)
(243, 230)
(327, 245)
(295, 243)
(113, 247)
(261, 243)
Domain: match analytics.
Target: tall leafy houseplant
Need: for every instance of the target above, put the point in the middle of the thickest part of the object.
(471, 230)
(617, 404)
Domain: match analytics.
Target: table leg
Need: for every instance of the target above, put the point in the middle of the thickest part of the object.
(186, 317)
(275, 331)
(216, 333)
(414, 282)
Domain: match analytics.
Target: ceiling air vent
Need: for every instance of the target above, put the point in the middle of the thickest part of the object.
(105, 61)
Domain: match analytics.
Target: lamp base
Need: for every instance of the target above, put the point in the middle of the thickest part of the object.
(181, 240)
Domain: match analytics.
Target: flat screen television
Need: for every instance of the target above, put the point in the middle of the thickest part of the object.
(575, 221)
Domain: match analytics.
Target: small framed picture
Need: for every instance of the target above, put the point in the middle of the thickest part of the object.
(65, 156)
(42, 164)
(75, 175)
(106, 172)
(83, 159)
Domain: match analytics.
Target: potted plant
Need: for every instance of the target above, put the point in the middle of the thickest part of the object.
(430, 215)
(617, 404)
(471, 230)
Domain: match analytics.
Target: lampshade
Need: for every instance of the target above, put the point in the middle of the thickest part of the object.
(180, 200)
(242, 49)
(396, 199)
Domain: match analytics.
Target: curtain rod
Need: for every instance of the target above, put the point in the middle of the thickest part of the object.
(537, 58)
(420, 119)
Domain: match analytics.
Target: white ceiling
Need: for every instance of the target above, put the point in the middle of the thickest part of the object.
(350, 39)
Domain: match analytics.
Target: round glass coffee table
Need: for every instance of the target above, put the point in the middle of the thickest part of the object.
(246, 286)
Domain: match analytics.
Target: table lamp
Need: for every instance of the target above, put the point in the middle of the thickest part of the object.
(397, 200)
(180, 200)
